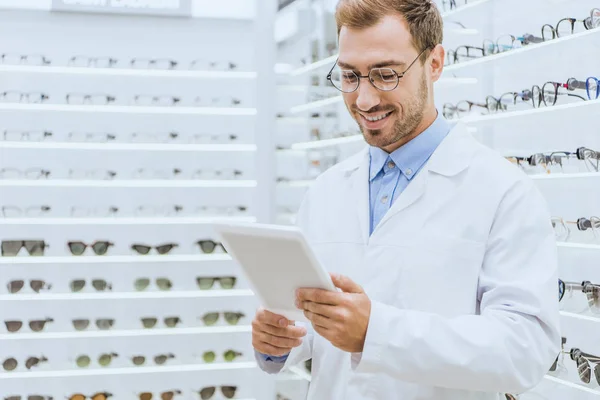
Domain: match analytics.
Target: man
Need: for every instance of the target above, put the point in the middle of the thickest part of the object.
(449, 285)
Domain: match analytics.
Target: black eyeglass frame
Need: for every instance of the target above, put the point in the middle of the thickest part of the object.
(359, 77)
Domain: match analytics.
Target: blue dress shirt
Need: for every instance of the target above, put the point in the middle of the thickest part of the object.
(390, 174)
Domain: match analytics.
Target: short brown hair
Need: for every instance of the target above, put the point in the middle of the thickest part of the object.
(423, 17)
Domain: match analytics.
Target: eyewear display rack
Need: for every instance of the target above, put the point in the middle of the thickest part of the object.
(515, 128)
(122, 130)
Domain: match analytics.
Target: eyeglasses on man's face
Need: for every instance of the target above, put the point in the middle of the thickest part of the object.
(384, 79)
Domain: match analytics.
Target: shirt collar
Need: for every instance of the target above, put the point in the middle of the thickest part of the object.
(412, 155)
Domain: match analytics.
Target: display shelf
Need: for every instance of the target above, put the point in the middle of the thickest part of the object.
(474, 6)
(161, 147)
(296, 184)
(572, 385)
(129, 371)
(116, 333)
(66, 108)
(326, 62)
(579, 316)
(555, 118)
(123, 221)
(133, 259)
(167, 294)
(129, 183)
(317, 104)
(587, 246)
(122, 72)
(554, 175)
(316, 144)
(550, 47)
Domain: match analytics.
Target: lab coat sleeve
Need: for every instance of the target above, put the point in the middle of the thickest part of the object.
(511, 343)
(304, 351)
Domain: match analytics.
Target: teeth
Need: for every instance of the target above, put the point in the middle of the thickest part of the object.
(377, 118)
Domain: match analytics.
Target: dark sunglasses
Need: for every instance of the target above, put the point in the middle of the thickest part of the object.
(11, 248)
(159, 359)
(36, 285)
(161, 249)
(101, 323)
(163, 396)
(232, 318)
(170, 322)
(208, 392)
(208, 246)
(11, 364)
(100, 247)
(36, 325)
(205, 283)
(99, 284)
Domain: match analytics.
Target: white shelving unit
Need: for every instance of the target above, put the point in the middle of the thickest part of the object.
(213, 124)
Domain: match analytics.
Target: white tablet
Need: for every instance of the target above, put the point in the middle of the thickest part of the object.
(277, 260)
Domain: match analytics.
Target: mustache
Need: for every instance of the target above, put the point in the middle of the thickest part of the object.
(375, 109)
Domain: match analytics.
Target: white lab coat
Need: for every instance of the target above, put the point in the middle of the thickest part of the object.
(461, 272)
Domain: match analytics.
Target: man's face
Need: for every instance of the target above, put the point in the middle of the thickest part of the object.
(385, 45)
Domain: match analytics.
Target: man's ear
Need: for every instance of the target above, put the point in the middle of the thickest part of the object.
(436, 62)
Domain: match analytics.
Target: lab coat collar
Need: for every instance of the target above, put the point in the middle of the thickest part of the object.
(450, 158)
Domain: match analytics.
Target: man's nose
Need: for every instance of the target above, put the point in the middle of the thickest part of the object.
(368, 96)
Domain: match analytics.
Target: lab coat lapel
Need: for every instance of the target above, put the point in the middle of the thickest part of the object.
(452, 156)
(358, 178)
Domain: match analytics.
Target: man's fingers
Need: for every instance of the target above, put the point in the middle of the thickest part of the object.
(322, 309)
(269, 349)
(288, 332)
(278, 341)
(317, 319)
(269, 318)
(319, 296)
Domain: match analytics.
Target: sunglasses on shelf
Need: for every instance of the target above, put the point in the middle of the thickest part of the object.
(104, 360)
(206, 283)
(208, 392)
(30, 397)
(170, 322)
(24, 59)
(101, 323)
(36, 325)
(11, 248)
(31, 211)
(99, 284)
(36, 285)
(100, 211)
(96, 174)
(96, 396)
(10, 364)
(229, 356)
(11, 135)
(232, 318)
(163, 396)
(95, 137)
(30, 173)
(163, 210)
(159, 359)
(100, 247)
(143, 283)
(160, 249)
(208, 246)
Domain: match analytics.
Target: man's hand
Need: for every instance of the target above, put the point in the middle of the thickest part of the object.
(275, 335)
(340, 317)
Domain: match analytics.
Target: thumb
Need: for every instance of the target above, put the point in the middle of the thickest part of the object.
(346, 284)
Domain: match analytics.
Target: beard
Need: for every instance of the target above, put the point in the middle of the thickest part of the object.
(413, 112)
